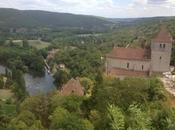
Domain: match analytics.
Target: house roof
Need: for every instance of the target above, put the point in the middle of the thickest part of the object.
(130, 53)
(163, 36)
(73, 86)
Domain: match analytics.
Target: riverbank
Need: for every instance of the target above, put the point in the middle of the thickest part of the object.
(35, 85)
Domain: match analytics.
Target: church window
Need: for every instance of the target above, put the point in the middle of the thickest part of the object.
(142, 67)
(128, 65)
(163, 45)
(160, 45)
(160, 57)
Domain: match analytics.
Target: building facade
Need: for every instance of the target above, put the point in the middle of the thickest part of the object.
(137, 61)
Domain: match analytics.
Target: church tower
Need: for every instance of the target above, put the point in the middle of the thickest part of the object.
(161, 48)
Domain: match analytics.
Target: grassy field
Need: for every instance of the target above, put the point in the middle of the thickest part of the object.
(38, 44)
(7, 109)
(5, 94)
(34, 43)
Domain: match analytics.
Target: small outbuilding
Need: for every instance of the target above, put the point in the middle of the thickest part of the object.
(73, 86)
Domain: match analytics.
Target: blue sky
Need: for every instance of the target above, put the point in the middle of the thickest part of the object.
(105, 8)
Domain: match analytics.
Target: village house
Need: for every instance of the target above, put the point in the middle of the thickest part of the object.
(73, 86)
(141, 62)
(52, 53)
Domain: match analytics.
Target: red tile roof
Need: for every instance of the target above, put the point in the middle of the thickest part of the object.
(124, 72)
(163, 36)
(73, 86)
(130, 53)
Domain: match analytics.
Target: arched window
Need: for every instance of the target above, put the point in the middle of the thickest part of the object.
(142, 67)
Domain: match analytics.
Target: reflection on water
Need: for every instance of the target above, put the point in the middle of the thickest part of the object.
(36, 85)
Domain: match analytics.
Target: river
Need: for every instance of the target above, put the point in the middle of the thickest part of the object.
(38, 84)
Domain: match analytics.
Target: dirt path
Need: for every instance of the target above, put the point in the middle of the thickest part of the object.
(169, 85)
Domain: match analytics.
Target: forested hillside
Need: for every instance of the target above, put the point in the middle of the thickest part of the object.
(11, 18)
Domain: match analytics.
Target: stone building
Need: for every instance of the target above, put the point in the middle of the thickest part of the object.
(141, 62)
(73, 86)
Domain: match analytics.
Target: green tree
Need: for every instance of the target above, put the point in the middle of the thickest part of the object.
(71, 103)
(164, 119)
(24, 120)
(38, 105)
(95, 117)
(88, 85)
(58, 117)
(87, 125)
(137, 119)
(25, 43)
(37, 126)
(61, 77)
(1, 83)
(2, 40)
(156, 90)
(62, 119)
(19, 85)
(11, 42)
(117, 118)
(20, 125)
(37, 65)
(173, 55)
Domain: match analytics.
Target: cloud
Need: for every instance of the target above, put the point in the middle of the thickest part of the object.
(157, 1)
(106, 8)
(151, 8)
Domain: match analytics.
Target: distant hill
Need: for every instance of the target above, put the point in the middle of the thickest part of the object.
(138, 21)
(20, 20)
(12, 18)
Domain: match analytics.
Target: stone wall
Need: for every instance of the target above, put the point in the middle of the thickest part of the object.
(136, 65)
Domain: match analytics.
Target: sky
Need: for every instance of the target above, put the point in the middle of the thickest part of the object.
(104, 8)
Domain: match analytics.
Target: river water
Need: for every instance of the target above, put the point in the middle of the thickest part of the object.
(38, 84)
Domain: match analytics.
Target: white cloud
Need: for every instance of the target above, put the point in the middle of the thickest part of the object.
(150, 8)
(107, 8)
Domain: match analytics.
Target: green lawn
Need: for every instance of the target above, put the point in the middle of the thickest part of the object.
(7, 109)
(38, 44)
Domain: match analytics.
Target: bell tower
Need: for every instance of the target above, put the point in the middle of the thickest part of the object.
(161, 47)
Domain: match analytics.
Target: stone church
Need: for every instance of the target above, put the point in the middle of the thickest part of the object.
(142, 62)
